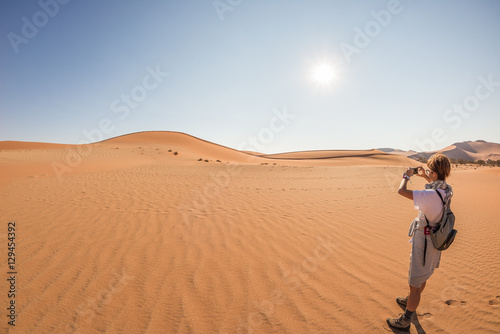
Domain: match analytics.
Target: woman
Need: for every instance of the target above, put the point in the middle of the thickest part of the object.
(423, 259)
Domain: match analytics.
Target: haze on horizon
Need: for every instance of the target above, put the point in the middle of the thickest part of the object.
(293, 76)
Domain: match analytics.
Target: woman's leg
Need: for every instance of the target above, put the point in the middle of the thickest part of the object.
(421, 289)
(414, 297)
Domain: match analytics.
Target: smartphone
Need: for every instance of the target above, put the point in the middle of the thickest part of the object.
(415, 171)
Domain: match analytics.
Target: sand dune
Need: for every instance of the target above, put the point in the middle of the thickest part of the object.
(29, 159)
(191, 146)
(136, 239)
(26, 145)
(397, 151)
(468, 151)
(477, 150)
(344, 157)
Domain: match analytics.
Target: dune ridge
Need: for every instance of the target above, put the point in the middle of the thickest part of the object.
(160, 147)
(467, 150)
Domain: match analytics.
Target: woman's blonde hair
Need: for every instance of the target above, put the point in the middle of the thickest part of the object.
(440, 164)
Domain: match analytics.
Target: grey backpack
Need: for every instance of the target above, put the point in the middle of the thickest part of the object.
(443, 235)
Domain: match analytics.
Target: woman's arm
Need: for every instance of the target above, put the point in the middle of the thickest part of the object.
(402, 187)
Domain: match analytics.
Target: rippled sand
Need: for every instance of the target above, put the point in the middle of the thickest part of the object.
(132, 238)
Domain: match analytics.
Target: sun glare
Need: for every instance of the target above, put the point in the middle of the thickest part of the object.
(323, 74)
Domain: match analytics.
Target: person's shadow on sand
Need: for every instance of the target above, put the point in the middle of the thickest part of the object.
(414, 322)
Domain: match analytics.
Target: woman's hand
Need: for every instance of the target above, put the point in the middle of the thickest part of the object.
(422, 173)
(410, 172)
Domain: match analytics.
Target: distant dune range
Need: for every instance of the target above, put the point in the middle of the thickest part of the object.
(467, 151)
(194, 147)
(162, 232)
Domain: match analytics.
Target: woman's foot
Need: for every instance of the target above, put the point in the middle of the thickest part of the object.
(400, 322)
(402, 301)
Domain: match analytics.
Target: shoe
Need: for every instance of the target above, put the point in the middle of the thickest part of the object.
(402, 301)
(401, 322)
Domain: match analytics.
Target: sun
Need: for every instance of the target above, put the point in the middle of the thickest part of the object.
(323, 74)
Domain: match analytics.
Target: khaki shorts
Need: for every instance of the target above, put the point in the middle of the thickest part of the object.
(418, 273)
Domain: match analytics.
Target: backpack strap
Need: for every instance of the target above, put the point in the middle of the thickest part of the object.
(428, 227)
(444, 203)
(441, 196)
(425, 238)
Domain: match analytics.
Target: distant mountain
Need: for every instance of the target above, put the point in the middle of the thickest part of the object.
(467, 151)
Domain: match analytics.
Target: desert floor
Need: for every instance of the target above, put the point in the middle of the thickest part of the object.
(135, 239)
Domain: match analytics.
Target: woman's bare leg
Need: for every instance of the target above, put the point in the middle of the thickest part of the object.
(414, 297)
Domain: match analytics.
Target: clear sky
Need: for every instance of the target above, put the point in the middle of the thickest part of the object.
(403, 74)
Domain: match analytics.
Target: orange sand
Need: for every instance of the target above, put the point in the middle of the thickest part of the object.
(126, 237)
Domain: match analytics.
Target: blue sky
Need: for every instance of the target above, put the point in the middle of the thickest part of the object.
(408, 74)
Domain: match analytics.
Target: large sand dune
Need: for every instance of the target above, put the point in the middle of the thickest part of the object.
(467, 150)
(131, 238)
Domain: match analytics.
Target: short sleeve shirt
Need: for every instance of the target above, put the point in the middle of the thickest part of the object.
(428, 203)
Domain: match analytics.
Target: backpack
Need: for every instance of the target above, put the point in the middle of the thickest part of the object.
(444, 234)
